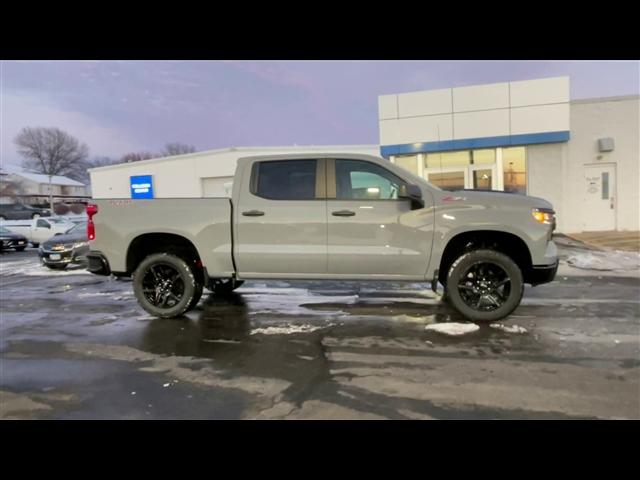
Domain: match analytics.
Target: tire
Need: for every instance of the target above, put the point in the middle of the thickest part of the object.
(165, 286)
(35, 215)
(35, 245)
(53, 266)
(2, 218)
(196, 297)
(224, 286)
(484, 285)
(20, 249)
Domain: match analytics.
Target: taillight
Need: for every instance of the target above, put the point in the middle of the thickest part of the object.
(91, 228)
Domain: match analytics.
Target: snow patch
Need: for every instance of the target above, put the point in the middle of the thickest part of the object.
(285, 329)
(605, 260)
(508, 328)
(453, 328)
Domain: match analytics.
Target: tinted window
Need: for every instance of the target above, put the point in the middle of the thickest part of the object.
(356, 179)
(42, 223)
(286, 180)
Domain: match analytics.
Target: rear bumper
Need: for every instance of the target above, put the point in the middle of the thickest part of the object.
(98, 263)
(540, 274)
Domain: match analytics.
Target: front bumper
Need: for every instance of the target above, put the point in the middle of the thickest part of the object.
(60, 257)
(13, 243)
(540, 274)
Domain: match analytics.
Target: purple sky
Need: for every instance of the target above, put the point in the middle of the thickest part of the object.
(117, 107)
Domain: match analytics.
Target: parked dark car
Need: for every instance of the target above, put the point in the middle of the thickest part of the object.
(8, 240)
(63, 249)
(20, 211)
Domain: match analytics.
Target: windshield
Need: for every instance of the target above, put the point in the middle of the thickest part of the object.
(57, 220)
(4, 230)
(80, 227)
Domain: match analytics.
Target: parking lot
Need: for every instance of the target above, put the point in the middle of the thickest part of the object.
(77, 346)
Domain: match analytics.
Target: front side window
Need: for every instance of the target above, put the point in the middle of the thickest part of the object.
(42, 224)
(285, 180)
(360, 180)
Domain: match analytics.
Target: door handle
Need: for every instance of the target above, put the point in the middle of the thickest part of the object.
(253, 213)
(343, 213)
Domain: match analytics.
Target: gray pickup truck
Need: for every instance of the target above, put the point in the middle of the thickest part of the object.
(327, 217)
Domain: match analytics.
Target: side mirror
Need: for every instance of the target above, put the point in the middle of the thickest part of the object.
(413, 193)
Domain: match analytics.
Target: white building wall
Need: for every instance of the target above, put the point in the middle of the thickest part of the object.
(556, 172)
(618, 118)
(499, 109)
(181, 176)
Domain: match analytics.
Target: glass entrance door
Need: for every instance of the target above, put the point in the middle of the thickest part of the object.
(482, 177)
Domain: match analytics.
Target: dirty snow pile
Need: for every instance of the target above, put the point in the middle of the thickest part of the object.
(453, 328)
(605, 260)
(286, 329)
(508, 328)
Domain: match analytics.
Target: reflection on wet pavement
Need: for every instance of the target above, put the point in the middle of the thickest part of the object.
(78, 346)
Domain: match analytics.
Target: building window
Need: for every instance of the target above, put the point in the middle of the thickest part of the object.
(447, 181)
(514, 170)
(408, 162)
(447, 159)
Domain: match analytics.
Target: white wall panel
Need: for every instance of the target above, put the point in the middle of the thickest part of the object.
(416, 129)
(489, 123)
(481, 97)
(542, 118)
(387, 106)
(540, 92)
(430, 102)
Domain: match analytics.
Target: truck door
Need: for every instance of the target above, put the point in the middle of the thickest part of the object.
(281, 216)
(370, 230)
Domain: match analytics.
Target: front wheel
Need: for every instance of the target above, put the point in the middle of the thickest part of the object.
(165, 286)
(484, 285)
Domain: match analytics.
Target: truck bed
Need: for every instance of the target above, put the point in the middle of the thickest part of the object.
(205, 222)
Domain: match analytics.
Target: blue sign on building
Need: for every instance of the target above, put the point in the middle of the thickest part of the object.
(141, 186)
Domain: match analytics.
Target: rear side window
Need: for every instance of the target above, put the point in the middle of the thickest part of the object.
(285, 180)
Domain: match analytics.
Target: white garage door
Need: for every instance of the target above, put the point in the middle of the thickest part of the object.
(217, 186)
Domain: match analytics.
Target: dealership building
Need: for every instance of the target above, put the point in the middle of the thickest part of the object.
(524, 137)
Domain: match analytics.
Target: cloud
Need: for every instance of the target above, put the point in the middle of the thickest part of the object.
(20, 109)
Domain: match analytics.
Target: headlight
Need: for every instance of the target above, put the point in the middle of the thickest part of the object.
(544, 215)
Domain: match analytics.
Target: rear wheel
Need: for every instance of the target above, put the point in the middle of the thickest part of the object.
(35, 215)
(165, 285)
(484, 285)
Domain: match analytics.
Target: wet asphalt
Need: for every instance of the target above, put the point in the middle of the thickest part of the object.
(77, 346)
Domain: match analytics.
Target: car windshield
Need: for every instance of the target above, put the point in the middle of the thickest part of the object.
(4, 230)
(80, 227)
(57, 220)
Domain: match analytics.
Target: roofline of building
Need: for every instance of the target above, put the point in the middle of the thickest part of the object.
(21, 174)
(235, 149)
(617, 98)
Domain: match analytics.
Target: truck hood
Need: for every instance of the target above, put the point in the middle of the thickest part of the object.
(493, 198)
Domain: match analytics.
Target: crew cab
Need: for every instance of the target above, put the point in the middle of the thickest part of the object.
(327, 217)
(38, 230)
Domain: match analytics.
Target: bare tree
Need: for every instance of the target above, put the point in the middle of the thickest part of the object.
(82, 175)
(136, 157)
(50, 151)
(177, 148)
